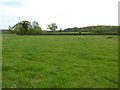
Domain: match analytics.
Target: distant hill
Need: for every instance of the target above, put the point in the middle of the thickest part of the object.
(94, 29)
(91, 28)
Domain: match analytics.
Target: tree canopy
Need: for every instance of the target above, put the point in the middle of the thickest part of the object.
(52, 26)
(26, 28)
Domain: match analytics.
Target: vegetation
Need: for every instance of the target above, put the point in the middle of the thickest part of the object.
(25, 28)
(95, 29)
(60, 61)
(52, 26)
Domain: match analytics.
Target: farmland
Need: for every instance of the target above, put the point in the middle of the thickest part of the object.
(82, 61)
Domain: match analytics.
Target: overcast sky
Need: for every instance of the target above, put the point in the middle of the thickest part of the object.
(65, 13)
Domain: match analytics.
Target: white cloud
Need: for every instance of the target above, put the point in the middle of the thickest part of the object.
(65, 13)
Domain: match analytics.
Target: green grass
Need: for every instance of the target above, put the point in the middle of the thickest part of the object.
(60, 61)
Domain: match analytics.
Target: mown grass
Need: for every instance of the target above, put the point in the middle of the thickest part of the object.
(60, 61)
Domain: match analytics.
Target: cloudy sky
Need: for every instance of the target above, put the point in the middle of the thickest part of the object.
(65, 13)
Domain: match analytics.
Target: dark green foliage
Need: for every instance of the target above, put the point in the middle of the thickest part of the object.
(22, 28)
(26, 28)
(95, 29)
(52, 26)
(105, 29)
(36, 31)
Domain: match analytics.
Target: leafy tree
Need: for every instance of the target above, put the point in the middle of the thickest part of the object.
(52, 26)
(22, 28)
(37, 29)
(25, 28)
(35, 24)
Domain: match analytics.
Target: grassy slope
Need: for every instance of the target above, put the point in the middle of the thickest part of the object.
(60, 61)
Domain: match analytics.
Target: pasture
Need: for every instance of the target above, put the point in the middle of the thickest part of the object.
(82, 61)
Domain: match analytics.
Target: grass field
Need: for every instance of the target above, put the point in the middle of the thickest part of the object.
(60, 61)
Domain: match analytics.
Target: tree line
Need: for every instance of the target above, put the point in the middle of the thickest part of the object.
(27, 28)
(32, 28)
(100, 29)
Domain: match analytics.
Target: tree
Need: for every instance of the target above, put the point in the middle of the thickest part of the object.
(11, 29)
(26, 28)
(22, 28)
(35, 24)
(52, 26)
(36, 28)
